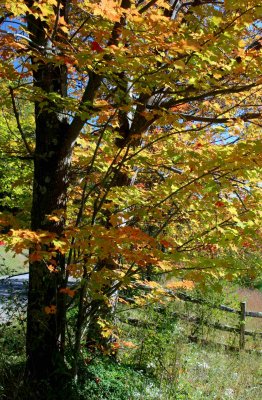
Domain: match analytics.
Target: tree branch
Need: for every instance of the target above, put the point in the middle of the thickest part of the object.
(214, 120)
(172, 102)
(28, 148)
(2, 19)
(56, 20)
(147, 6)
(88, 98)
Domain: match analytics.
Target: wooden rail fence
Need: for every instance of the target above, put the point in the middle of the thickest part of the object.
(242, 312)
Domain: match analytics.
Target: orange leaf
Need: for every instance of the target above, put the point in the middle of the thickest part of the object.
(68, 291)
(189, 285)
(50, 310)
(128, 344)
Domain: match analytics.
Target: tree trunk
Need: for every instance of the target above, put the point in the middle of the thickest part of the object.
(46, 304)
(46, 309)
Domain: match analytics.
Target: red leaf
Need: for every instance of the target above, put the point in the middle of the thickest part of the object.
(96, 47)
(166, 244)
(219, 204)
(198, 145)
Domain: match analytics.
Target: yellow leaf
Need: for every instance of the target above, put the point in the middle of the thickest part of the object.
(217, 75)
(241, 43)
(188, 285)
(179, 64)
(165, 265)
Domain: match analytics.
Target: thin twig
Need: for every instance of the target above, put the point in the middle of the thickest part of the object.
(79, 28)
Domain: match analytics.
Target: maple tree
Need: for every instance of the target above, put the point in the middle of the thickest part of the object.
(144, 152)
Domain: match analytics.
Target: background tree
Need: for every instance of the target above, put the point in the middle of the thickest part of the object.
(146, 148)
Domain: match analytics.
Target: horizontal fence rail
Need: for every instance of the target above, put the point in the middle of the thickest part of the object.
(186, 297)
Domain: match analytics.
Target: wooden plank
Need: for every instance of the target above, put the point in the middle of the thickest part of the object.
(242, 324)
(228, 309)
(253, 333)
(254, 314)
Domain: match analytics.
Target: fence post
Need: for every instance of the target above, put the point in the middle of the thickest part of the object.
(242, 325)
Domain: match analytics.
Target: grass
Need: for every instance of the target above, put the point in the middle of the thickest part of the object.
(161, 364)
(187, 371)
(215, 374)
